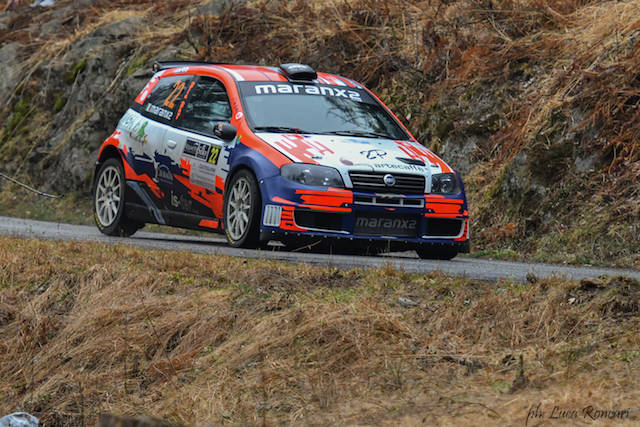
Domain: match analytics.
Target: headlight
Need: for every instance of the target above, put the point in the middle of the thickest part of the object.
(312, 175)
(444, 183)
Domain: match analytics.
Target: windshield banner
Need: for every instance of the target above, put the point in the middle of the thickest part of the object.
(275, 88)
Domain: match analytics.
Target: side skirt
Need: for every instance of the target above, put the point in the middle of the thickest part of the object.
(175, 219)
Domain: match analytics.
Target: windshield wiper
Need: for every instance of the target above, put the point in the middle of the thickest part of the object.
(365, 134)
(280, 129)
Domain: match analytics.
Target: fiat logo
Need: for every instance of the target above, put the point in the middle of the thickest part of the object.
(389, 180)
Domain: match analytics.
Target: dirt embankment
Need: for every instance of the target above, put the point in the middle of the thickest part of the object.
(88, 329)
(534, 101)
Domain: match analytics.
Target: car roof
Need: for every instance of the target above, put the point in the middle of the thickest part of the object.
(252, 73)
(262, 73)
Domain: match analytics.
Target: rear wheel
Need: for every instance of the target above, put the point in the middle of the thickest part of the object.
(443, 253)
(242, 207)
(108, 201)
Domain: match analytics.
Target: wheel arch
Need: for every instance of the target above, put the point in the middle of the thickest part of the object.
(259, 166)
(108, 152)
(251, 238)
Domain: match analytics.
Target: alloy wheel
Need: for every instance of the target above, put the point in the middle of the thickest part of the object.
(239, 209)
(108, 195)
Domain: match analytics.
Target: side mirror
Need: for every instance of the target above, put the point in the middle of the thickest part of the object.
(225, 131)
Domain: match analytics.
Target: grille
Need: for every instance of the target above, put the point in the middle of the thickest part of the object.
(373, 182)
(443, 227)
(394, 201)
(318, 220)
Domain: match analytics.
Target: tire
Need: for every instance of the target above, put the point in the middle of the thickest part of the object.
(242, 207)
(443, 253)
(108, 201)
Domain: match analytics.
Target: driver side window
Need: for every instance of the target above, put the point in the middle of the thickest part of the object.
(208, 104)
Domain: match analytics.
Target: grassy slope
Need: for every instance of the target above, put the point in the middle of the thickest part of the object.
(544, 94)
(89, 328)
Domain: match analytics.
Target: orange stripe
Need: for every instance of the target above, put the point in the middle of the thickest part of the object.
(443, 215)
(209, 223)
(325, 208)
(219, 183)
(180, 110)
(441, 199)
(287, 222)
(281, 200)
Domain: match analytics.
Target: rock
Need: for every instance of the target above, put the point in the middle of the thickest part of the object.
(458, 152)
(10, 76)
(586, 164)
(119, 29)
(406, 302)
(217, 7)
(43, 3)
(4, 22)
(19, 419)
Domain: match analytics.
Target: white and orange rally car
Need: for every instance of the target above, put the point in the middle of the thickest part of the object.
(275, 154)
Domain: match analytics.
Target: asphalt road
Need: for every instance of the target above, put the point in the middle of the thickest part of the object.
(482, 269)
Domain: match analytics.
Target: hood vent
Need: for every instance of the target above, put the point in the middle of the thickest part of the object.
(409, 161)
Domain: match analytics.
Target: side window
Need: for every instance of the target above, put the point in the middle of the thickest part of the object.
(164, 101)
(208, 104)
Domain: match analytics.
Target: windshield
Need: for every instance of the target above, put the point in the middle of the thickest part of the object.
(320, 109)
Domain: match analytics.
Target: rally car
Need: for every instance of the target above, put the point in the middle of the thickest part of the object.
(275, 154)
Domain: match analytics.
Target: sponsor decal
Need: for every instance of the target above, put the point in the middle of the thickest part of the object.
(373, 154)
(214, 155)
(159, 111)
(387, 223)
(136, 126)
(302, 149)
(180, 201)
(196, 149)
(202, 151)
(301, 89)
(141, 135)
(403, 167)
(163, 174)
(182, 70)
(239, 115)
(203, 174)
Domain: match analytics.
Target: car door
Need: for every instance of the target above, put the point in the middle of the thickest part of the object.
(193, 145)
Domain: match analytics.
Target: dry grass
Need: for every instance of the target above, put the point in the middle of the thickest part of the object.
(560, 79)
(87, 328)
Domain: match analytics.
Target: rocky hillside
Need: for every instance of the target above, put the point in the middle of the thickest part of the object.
(534, 101)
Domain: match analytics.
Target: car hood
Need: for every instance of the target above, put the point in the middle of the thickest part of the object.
(356, 153)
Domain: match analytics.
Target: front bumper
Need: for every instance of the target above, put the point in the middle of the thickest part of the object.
(294, 211)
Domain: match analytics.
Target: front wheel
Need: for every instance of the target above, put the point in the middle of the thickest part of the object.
(242, 207)
(443, 253)
(108, 201)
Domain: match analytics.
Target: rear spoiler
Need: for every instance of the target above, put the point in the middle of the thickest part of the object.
(165, 65)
